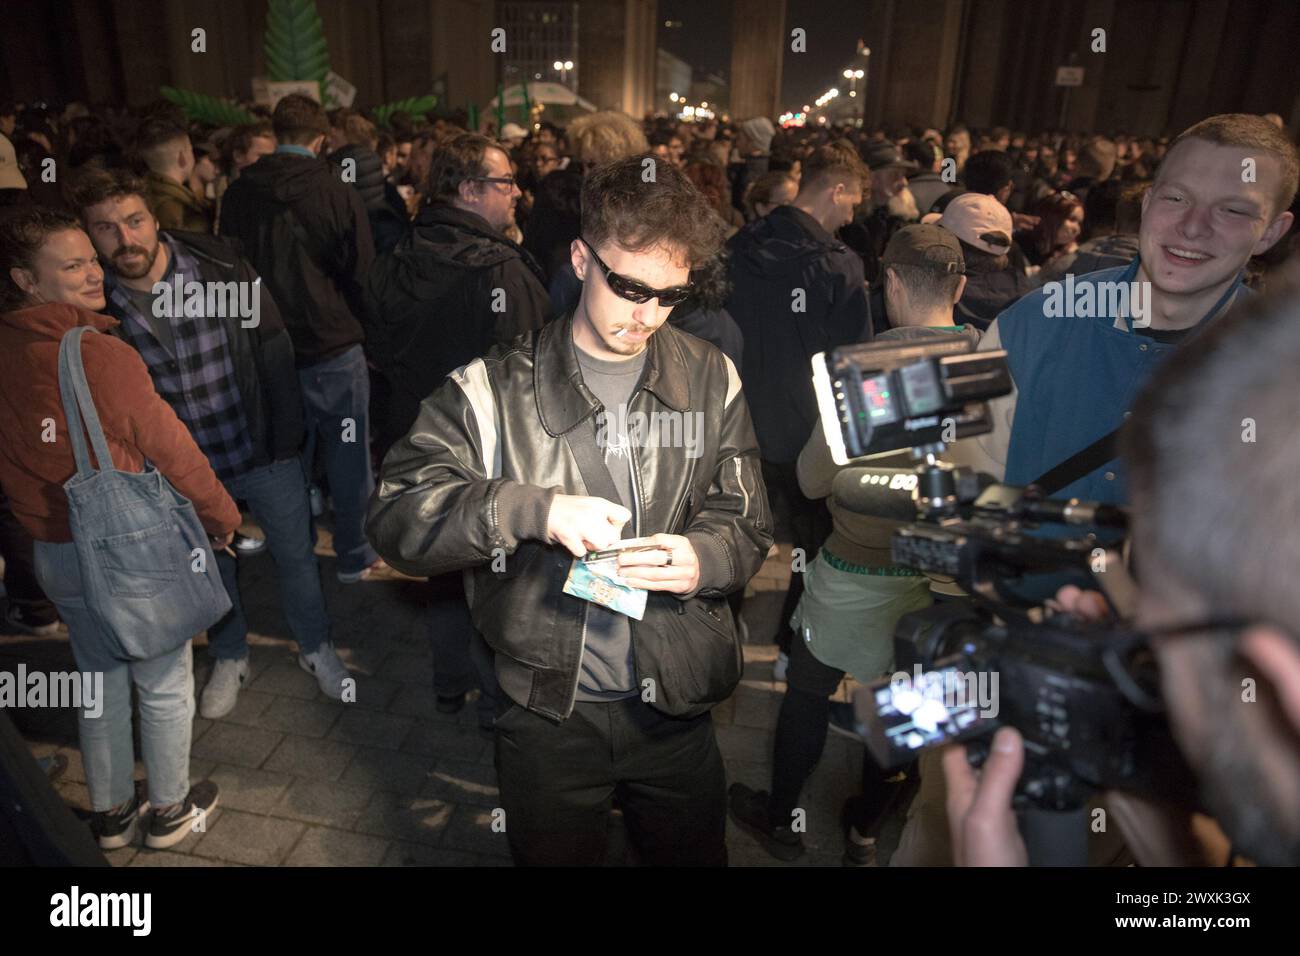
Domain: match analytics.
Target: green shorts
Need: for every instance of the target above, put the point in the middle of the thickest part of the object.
(847, 617)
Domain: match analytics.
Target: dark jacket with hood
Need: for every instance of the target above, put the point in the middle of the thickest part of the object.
(384, 206)
(262, 355)
(992, 284)
(795, 291)
(434, 304)
(306, 232)
(475, 478)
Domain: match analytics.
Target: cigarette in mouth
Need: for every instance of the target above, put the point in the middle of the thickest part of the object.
(620, 333)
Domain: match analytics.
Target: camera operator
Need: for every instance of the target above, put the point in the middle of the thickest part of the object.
(853, 591)
(1220, 196)
(1213, 453)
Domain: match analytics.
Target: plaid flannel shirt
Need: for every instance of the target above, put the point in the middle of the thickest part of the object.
(198, 382)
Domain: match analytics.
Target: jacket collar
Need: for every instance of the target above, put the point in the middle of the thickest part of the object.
(563, 400)
(53, 319)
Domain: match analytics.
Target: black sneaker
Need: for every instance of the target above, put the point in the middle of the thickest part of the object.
(749, 810)
(170, 829)
(116, 830)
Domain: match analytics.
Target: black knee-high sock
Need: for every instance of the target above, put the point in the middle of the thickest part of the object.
(800, 739)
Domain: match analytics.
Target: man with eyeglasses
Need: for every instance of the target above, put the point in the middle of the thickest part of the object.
(607, 424)
(453, 287)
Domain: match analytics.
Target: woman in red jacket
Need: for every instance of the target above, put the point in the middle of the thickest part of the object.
(50, 282)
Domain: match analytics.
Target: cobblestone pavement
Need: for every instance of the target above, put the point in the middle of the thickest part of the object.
(387, 780)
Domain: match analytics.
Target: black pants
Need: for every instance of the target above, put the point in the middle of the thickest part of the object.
(810, 526)
(20, 569)
(558, 782)
(801, 728)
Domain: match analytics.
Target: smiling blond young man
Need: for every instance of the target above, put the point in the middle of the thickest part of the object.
(1220, 196)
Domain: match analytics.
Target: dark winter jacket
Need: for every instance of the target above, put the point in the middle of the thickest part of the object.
(384, 206)
(475, 478)
(434, 304)
(306, 232)
(795, 291)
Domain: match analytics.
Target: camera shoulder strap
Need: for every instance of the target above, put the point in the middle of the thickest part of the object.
(582, 442)
(1082, 462)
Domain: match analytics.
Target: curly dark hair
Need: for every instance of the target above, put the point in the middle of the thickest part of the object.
(622, 203)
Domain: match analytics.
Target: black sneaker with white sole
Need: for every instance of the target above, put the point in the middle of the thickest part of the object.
(171, 828)
(116, 830)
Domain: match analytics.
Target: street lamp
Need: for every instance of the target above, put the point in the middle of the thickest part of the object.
(563, 67)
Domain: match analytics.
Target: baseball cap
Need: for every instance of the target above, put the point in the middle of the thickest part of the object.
(925, 245)
(886, 156)
(513, 131)
(11, 177)
(977, 219)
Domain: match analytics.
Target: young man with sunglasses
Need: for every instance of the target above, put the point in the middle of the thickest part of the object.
(453, 287)
(528, 459)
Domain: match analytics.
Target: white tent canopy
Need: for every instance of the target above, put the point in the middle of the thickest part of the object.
(552, 94)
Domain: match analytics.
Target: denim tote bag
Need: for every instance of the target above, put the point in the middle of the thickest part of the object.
(147, 569)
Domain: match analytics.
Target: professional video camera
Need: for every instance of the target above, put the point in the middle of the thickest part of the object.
(1084, 697)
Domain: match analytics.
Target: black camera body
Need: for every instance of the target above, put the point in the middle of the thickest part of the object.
(1084, 697)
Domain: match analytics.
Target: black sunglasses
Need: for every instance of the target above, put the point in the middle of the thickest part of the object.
(639, 292)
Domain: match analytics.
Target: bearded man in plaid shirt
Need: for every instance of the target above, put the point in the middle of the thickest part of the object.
(231, 379)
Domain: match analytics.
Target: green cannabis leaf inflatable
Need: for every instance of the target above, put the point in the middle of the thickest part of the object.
(295, 43)
(207, 109)
(415, 105)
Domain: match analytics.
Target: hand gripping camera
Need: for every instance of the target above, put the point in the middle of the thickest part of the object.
(1084, 697)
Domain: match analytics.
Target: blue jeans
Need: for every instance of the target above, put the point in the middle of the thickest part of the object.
(278, 499)
(332, 391)
(165, 686)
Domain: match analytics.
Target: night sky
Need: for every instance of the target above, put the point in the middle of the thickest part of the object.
(833, 26)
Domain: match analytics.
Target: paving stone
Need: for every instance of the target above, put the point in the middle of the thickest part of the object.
(147, 857)
(375, 693)
(470, 829)
(325, 802)
(452, 741)
(249, 707)
(307, 757)
(756, 708)
(462, 782)
(288, 680)
(745, 743)
(406, 818)
(417, 700)
(121, 856)
(232, 744)
(389, 770)
(320, 846)
(307, 718)
(371, 728)
(248, 789)
(408, 668)
(245, 838)
(417, 854)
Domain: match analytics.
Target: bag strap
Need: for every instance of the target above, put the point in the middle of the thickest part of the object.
(79, 405)
(581, 440)
(1081, 463)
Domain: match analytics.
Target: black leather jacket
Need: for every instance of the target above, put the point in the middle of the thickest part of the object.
(474, 478)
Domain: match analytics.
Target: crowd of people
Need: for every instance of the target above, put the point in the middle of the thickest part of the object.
(440, 310)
